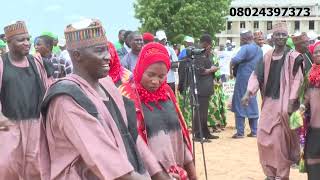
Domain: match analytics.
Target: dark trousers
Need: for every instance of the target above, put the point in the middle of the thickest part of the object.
(313, 171)
(203, 110)
(312, 151)
(173, 87)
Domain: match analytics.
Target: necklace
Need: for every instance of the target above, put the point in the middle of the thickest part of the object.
(314, 76)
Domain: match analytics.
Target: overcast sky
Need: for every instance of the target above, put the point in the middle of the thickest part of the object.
(54, 15)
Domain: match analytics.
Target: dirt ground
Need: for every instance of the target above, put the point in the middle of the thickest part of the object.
(233, 159)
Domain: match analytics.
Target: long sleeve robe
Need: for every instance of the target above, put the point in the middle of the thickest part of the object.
(80, 146)
(19, 147)
(278, 145)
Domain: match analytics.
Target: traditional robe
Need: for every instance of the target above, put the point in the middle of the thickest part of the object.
(278, 145)
(19, 147)
(246, 60)
(81, 147)
(171, 130)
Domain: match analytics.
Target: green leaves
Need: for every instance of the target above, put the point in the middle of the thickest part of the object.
(182, 17)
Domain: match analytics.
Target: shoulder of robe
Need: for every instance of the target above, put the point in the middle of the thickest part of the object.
(293, 54)
(72, 89)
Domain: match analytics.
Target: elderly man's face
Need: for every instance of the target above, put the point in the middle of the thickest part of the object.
(259, 41)
(280, 38)
(95, 60)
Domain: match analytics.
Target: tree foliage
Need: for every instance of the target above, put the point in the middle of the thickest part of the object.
(182, 17)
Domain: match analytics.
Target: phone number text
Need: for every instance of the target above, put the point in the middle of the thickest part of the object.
(269, 11)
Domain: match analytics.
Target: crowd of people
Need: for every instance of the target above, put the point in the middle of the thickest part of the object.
(81, 107)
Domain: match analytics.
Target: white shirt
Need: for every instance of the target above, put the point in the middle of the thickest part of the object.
(265, 48)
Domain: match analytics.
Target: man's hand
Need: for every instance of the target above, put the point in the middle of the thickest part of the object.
(5, 123)
(231, 76)
(214, 69)
(245, 99)
(293, 105)
(191, 170)
(231, 70)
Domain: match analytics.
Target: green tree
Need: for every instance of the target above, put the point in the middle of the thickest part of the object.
(182, 17)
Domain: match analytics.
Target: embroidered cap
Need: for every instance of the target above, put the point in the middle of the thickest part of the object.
(280, 26)
(258, 34)
(85, 33)
(297, 39)
(14, 29)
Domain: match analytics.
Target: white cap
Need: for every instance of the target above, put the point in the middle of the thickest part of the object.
(297, 33)
(269, 36)
(61, 42)
(189, 39)
(160, 35)
(312, 35)
(244, 31)
(83, 23)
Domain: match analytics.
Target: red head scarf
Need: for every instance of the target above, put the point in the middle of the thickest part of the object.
(313, 46)
(148, 37)
(115, 65)
(314, 75)
(150, 54)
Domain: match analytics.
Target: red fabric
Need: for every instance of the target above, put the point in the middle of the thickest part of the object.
(148, 36)
(180, 171)
(150, 54)
(146, 97)
(313, 46)
(115, 66)
(314, 76)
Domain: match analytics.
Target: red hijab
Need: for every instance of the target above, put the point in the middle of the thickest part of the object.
(313, 46)
(115, 65)
(314, 75)
(150, 54)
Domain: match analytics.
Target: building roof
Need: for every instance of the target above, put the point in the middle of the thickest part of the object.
(273, 3)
